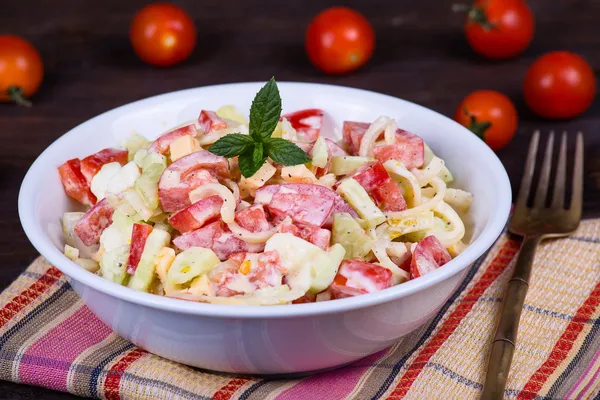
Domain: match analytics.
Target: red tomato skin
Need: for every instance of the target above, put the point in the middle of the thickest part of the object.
(75, 183)
(559, 85)
(339, 40)
(139, 235)
(494, 107)
(513, 29)
(20, 66)
(162, 34)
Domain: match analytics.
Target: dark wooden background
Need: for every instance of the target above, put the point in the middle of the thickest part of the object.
(420, 56)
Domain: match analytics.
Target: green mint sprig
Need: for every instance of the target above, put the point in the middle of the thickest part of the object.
(253, 149)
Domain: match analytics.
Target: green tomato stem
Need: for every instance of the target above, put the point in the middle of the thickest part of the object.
(15, 94)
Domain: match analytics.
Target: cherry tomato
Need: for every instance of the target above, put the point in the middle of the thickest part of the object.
(21, 69)
(499, 29)
(559, 85)
(490, 115)
(339, 40)
(162, 34)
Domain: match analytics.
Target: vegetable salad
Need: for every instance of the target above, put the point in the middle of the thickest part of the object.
(173, 218)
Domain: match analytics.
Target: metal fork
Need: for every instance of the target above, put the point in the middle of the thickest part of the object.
(534, 224)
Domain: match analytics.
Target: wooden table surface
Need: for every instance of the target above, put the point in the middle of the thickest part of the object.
(421, 56)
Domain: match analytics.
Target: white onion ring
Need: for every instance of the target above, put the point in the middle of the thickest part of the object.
(234, 188)
(250, 237)
(379, 126)
(380, 251)
(397, 170)
(449, 238)
(425, 175)
(440, 188)
(211, 189)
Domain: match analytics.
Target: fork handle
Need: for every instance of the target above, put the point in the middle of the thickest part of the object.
(503, 346)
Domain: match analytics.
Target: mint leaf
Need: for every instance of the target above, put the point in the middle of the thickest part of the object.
(258, 156)
(265, 111)
(232, 145)
(247, 165)
(285, 152)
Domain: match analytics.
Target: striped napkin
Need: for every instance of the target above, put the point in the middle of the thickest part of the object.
(49, 338)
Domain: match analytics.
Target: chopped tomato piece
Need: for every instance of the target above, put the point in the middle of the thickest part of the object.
(217, 237)
(264, 195)
(92, 164)
(428, 255)
(353, 133)
(313, 234)
(93, 222)
(317, 236)
(307, 123)
(186, 174)
(253, 219)
(358, 277)
(75, 183)
(198, 214)
(267, 270)
(211, 122)
(380, 186)
(162, 143)
(409, 149)
(302, 208)
(224, 273)
(139, 234)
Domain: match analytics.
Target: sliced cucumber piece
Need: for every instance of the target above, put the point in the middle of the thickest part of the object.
(348, 233)
(325, 268)
(134, 143)
(190, 264)
(132, 197)
(147, 185)
(359, 199)
(113, 265)
(145, 271)
(344, 165)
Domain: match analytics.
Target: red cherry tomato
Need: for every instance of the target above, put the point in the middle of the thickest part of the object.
(490, 115)
(339, 40)
(559, 85)
(162, 34)
(499, 29)
(21, 69)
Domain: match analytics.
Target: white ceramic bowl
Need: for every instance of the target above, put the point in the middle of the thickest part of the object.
(279, 339)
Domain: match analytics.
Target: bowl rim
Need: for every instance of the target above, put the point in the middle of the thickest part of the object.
(475, 250)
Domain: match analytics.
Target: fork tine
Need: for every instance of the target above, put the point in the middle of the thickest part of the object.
(528, 171)
(542, 189)
(577, 195)
(558, 195)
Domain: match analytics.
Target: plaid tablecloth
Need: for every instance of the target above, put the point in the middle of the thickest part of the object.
(49, 338)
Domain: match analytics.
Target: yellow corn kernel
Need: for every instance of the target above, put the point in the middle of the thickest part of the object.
(245, 267)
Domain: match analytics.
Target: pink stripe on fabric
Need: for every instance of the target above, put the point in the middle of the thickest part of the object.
(46, 363)
(592, 381)
(582, 377)
(332, 385)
